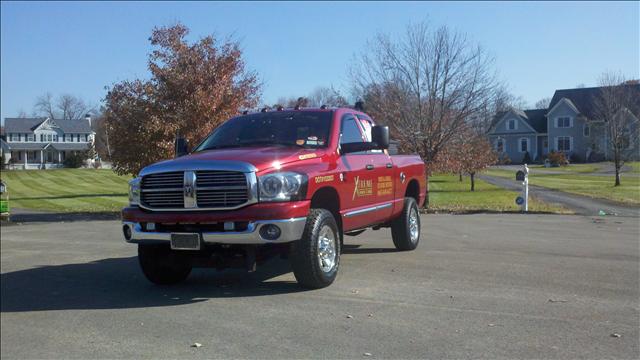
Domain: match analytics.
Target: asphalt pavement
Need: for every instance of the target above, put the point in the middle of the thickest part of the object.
(478, 286)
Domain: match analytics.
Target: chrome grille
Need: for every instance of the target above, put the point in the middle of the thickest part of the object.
(221, 188)
(214, 189)
(163, 190)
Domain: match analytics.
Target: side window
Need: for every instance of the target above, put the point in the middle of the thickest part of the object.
(350, 131)
(367, 125)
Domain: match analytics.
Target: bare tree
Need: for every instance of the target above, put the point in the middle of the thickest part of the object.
(71, 107)
(44, 106)
(66, 107)
(618, 106)
(425, 86)
(543, 103)
(327, 96)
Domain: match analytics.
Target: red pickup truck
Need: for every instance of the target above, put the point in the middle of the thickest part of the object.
(289, 182)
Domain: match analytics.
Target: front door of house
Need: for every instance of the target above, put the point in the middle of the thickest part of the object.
(49, 157)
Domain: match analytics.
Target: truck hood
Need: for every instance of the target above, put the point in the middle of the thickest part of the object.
(263, 158)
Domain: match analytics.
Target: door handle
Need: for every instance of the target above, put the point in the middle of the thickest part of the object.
(369, 167)
(389, 165)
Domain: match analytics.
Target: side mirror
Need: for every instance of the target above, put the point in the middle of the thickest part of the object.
(380, 136)
(182, 147)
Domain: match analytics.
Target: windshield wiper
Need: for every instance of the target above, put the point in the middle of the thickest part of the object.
(216, 147)
(270, 142)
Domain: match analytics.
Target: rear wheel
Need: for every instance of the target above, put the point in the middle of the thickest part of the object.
(315, 258)
(405, 230)
(162, 266)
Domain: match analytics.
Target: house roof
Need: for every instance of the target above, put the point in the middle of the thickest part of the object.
(26, 125)
(584, 99)
(4, 145)
(70, 146)
(26, 146)
(536, 118)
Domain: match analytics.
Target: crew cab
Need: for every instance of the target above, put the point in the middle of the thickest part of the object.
(291, 182)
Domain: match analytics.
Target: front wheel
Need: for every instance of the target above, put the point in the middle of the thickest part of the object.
(161, 266)
(405, 230)
(315, 258)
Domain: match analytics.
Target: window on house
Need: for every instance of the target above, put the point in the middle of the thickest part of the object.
(41, 137)
(31, 156)
(55, 138)
(524, 145)
(564, 143)
(586, 130)
(49, 137)
(511, 125)
(32, 137)
(563, 122)
(500, 145)
(14, 137)
(84, 137)
(77, 137)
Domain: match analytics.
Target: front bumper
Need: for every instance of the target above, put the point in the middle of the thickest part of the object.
(291, 230)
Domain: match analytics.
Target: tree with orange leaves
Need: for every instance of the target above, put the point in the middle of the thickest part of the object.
(192, 89)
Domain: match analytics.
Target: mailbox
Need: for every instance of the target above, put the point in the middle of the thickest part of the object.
(520, 175)
(4, 199)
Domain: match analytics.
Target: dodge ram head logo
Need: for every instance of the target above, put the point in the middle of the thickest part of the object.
(188, 191)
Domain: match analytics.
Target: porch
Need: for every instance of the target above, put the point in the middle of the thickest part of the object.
(40, 156)
(37, 159)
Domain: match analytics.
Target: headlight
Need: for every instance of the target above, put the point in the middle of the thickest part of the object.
(134, 191)
(282, 186)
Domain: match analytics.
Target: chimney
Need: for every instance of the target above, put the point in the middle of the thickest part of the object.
(88, 118)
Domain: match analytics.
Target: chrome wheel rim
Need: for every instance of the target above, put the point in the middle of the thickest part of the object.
(326, 249)
(414, 225)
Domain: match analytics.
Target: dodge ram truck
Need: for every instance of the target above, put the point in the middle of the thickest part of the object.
(288, 182)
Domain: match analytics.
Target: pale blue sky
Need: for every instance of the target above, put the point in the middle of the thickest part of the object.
(79, 48)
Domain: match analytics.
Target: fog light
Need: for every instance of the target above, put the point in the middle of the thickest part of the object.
(229, 226)
(270, 232)
(126, 231)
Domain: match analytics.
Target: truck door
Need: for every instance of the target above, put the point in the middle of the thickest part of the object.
(383, 167)
(357, 187)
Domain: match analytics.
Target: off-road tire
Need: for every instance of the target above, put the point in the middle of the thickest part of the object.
(161, 266)
(304, 253)
(401, 228)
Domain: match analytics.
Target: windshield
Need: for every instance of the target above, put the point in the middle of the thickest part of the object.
(282, 128)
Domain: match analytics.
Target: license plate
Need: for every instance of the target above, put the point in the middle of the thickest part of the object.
(182, 241)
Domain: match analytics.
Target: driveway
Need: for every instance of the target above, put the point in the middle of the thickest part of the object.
(581, 205)
(478, 286)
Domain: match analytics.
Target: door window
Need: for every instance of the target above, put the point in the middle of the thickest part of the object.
(349, 131)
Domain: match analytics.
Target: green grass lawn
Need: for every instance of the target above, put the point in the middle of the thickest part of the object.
(66, 190)
(447, 193)
(576, 182)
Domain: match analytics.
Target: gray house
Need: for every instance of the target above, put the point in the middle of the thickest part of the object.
(43, 143)
(570, 125)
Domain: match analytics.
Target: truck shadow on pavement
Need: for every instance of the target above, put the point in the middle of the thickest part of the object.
(117, 283)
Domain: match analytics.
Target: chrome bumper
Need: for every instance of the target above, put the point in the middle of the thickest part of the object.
(291, 230)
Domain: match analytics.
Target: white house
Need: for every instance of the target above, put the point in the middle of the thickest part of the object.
(44, 143)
